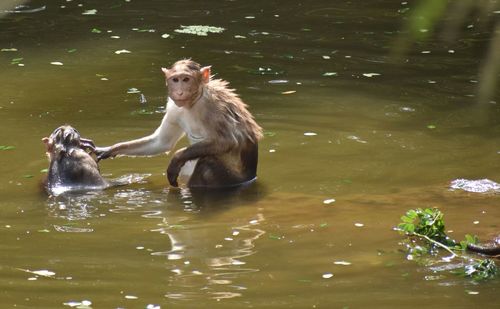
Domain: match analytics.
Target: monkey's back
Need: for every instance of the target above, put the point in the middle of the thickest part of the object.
(74, 170)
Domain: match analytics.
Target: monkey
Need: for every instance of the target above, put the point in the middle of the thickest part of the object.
(222, 133)
(71, 167)
(491, 248)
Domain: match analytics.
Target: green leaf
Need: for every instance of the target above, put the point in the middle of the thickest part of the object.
(7, 147)
(44, 170)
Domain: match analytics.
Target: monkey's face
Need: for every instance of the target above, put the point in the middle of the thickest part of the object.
(183, 89)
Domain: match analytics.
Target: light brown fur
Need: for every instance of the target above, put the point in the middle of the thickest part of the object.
(223, 133)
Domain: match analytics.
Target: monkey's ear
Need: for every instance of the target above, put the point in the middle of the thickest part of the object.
(205, 74)
(48, 143)
(164, 70)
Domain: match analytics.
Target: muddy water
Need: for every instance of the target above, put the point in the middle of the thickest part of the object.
(378, 144)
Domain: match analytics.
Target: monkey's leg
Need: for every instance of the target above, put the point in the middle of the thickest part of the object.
(212, 172)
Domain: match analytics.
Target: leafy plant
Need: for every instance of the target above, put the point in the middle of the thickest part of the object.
(481, 270)
(428, 226)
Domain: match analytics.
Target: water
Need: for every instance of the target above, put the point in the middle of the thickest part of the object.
(376, 144)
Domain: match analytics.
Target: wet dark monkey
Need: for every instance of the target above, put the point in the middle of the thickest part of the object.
(223, 135)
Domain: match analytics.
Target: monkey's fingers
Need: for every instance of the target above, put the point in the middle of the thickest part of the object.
(87, 142)
(103, 153)
(87, 145)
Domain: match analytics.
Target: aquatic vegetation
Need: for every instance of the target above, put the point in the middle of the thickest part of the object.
(427, 235)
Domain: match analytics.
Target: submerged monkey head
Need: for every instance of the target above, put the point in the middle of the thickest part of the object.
(185, 80)
(61, 141)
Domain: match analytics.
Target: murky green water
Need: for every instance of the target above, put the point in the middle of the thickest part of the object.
(382, 144)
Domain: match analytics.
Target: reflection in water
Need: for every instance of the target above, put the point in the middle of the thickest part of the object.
(210, 267)
(73, 206)
(200, 260)
(81, 205)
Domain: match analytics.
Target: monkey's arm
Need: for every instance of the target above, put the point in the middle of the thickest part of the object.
(162, 140)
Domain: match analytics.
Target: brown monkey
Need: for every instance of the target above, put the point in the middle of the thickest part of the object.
(71, 166)
(223, 135)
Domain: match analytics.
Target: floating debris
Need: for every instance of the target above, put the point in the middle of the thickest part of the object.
(475, 186)
(278, 81)
(310, 134)
(133, 90)
(90, 12)
(8, 49)
(344, 263)
(122, 51)
(289, 92)
(16, 61)
(199, 30)
(371, 74)
(359, 224)
(84, 304)
(327, 275)
(165, 35)
(56, 63)
(25, 9)
(144, 30)
(330, 74)
(329, 201)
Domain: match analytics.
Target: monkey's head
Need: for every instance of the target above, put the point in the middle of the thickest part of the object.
(61, 141)
(185, 80)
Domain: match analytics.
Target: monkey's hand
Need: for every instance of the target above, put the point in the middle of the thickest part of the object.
(173, 170)
(104, 153)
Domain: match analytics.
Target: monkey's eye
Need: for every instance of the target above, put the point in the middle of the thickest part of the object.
(175, 79)
(186, 79)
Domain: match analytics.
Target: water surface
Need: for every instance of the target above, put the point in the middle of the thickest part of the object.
(378, 144)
